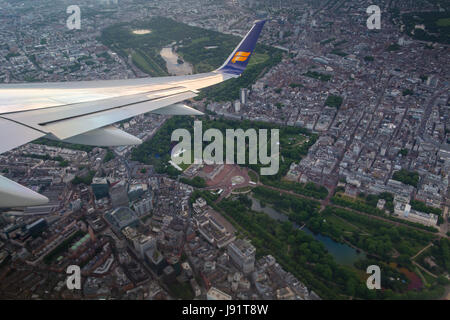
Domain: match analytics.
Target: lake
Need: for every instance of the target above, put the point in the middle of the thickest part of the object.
(175, 68)
(342, 253)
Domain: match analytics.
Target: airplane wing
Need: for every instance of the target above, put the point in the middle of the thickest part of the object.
(83, 112)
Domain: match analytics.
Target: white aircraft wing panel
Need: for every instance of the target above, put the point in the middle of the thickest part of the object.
(64, 129)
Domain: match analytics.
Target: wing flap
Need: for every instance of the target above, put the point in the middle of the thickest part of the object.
(178, 110)
(108, 136)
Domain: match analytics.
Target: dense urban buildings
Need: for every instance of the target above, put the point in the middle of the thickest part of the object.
(370, 175)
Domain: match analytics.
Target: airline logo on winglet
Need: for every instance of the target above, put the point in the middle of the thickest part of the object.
(240, 56)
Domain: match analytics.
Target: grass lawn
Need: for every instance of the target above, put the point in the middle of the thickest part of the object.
(445, 22)
(341, 224)
(141, 63)
(257, 58)
(243, 189)
(293, 139)
(181, 290)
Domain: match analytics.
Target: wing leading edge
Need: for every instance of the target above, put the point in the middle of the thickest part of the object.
(83, 112)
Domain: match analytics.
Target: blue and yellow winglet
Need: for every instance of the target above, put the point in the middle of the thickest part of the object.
(238, 60)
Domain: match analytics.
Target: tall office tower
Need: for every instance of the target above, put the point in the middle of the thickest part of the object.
(237, 106)
(144, 206)
(243, 94)
(100, 188)
(242, 253)
(119, 195)
(144, 243)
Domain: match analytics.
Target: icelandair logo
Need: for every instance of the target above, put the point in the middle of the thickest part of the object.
(240, 56)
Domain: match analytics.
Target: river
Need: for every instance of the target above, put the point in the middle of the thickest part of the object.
(175, 68)
(342, 253)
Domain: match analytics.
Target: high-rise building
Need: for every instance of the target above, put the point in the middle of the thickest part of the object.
(144, 206)
(242, 253)
(136, 190)
(100, 188)
(121, 217)
(237, 106)
(243, 95)
(119, 195)
(144, 243)
(169, 274)
(155, 260)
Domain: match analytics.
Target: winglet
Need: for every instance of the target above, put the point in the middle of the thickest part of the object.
(240, 57)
